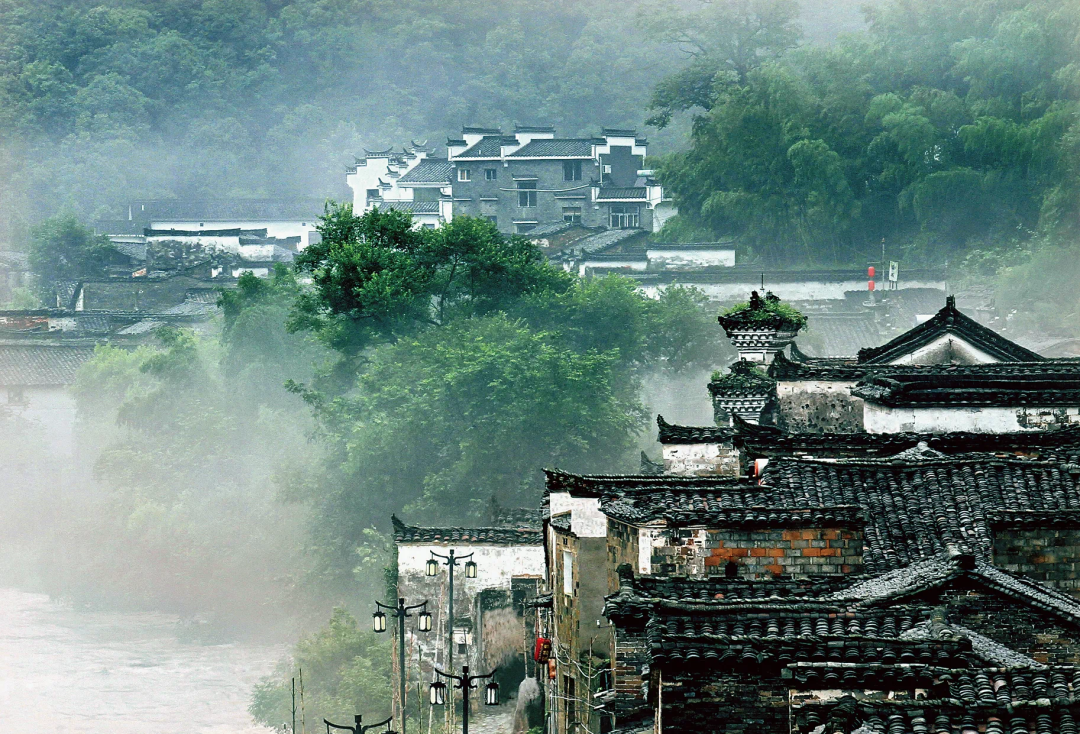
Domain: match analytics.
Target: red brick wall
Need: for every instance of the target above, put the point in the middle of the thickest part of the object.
(759, 553)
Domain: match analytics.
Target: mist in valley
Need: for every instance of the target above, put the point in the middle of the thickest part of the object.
(228, 485)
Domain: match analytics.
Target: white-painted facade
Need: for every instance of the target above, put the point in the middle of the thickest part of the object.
(495, 564)
(690, 257)
(946, 349)
(586, 520)
(983, 419)
(375, 181)
(803, 290)
(304, 229)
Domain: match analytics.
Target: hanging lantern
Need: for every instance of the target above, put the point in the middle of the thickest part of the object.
(432, 567)
(491, 694)
(438, 693)
(378, 621)
(423, 622)
(470, 570)
(551, 668)
(542, 651)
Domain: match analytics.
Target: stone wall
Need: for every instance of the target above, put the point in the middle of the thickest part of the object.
(707, 701)
(701, 459)
(812, 406)
(1044, 637)
(623, 547)
(757, 553)
(1048, 554)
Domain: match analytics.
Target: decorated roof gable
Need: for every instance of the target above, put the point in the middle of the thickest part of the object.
(949, 337)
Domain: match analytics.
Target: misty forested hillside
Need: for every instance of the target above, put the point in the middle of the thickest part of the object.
(945, 131)
(106, 100)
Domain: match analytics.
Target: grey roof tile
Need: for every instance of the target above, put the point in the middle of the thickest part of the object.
(41, 364)
(429, 171)
(555, 148)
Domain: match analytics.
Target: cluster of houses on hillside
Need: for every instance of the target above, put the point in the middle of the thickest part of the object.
(880, 543)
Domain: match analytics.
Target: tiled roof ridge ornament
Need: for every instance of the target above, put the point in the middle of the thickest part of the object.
(761, 327)
(744, 391)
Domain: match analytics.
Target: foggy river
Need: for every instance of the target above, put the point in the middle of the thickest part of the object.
(93, 672)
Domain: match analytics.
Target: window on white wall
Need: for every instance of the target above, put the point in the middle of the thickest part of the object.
(568, 573)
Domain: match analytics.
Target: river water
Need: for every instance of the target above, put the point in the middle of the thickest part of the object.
(76, 671)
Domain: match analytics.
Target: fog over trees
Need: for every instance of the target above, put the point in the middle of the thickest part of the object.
(249, 471)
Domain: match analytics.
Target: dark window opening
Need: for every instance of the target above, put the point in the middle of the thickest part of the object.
(491, 174)
(571, 170)
(625, 216)
(572, 214)
(731, 570)
(526, 193)
(373, 193)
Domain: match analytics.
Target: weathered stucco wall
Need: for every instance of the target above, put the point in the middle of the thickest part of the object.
(586, 520)
(1050, 555)
(496, 566)
(988, 419)
(818, 406)
(674, 259)
(946, 349)
(701, 459)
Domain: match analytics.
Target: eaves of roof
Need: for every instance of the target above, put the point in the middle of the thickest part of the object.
(949, 320)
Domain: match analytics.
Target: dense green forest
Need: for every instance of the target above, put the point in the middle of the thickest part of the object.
(271, 449)
(946, 131)
(102, 101)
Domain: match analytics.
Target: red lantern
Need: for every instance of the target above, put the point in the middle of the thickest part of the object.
(542, 651)
(551, 668)
(870, 286)
(870, 272)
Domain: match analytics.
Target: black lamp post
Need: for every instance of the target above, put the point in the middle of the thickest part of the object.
(378, 623)
(358, 728)
(465, 685)
(451, 562)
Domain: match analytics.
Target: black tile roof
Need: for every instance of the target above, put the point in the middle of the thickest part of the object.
(487, 147)
(555, 148)
(1061, 388)
(428, 171)
(787, 369)
(910, 511)
(839, 334)
(629, 192)
(767, 441)
(713, 588)
(41, 365)
(902, 584)
(940, 716)
(477, 536)
(598, 485)
(670, 433)
(914, 511)
(416, 207)
(949, 320)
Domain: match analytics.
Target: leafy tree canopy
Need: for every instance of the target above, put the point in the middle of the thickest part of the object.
(941, 129)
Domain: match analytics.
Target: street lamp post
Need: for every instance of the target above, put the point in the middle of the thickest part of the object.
(451, 562)
(379, 625)
(465, 684)
(358, 728)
